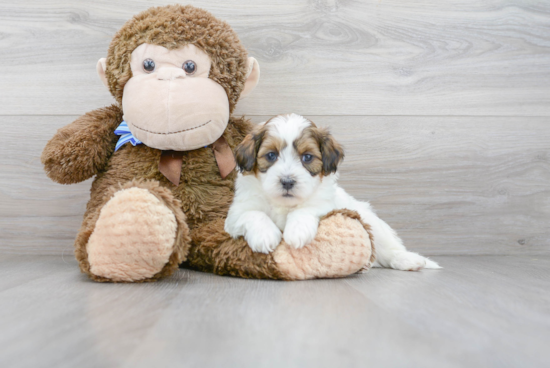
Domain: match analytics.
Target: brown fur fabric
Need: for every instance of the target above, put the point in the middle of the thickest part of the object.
(213, 250)
(181, 25)
(81, 149)
(202, 194)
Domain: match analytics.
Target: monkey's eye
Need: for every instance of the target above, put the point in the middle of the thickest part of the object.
(148, 65)
(271, 156)
(189, 67)
(307, 158)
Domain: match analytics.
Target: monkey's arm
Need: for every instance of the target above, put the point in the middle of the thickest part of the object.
(81, 149)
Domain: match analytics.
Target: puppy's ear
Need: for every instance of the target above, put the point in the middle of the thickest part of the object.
(247, 151)
(331, 151)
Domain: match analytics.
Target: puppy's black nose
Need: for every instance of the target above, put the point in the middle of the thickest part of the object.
(288, 183)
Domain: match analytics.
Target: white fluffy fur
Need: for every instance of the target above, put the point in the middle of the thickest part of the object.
(260, 211)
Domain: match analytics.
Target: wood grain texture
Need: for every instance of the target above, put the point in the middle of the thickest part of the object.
(454, 185)
(318, 57)
(485, 311)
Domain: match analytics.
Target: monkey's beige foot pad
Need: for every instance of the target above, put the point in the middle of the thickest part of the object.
(343, 246)
(133, 238)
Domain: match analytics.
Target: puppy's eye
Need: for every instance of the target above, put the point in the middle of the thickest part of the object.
(271, 156)
(148, 65)
(307, 158)
(189, 67)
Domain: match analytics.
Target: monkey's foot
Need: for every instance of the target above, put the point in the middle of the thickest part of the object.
(343, 246)
(139, 235)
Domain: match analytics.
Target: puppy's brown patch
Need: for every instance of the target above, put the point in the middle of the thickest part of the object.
(250, 154)
(246, 152)
(269, 144)
(318, 142)
(308, 143)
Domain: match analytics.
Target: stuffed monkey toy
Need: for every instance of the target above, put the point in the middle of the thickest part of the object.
(163, 163)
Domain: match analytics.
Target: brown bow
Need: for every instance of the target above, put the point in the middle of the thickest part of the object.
(171, 161)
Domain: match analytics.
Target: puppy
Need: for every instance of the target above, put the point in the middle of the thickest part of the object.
(288, 181)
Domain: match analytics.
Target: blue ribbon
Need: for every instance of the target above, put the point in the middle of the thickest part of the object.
(125, 136)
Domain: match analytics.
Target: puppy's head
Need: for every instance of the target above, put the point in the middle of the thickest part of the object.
(290, 156)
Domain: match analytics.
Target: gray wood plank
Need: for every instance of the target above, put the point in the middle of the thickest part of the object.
(481, 311)
(454, 185)
(325, 57)
(36, 214)
(494, 305)
(251, 323)
(19, 269)
(64, 320)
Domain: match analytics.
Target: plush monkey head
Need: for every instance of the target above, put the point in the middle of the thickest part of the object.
(178, 73)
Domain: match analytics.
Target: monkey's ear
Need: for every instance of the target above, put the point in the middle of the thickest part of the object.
(101, 67)
(252, 77)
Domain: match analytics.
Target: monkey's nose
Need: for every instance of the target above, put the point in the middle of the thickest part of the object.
(288, 183)
(170, 73)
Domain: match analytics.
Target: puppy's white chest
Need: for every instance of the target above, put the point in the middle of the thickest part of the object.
(279, 216)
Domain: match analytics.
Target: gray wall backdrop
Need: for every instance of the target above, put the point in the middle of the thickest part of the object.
(443, 107)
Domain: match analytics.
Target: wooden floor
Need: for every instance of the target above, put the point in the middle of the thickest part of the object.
(479, 311)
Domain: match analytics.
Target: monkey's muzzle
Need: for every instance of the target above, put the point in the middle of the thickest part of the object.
(175, 113)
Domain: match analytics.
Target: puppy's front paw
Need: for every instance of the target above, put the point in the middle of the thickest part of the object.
(264, 238)
(300, 232)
